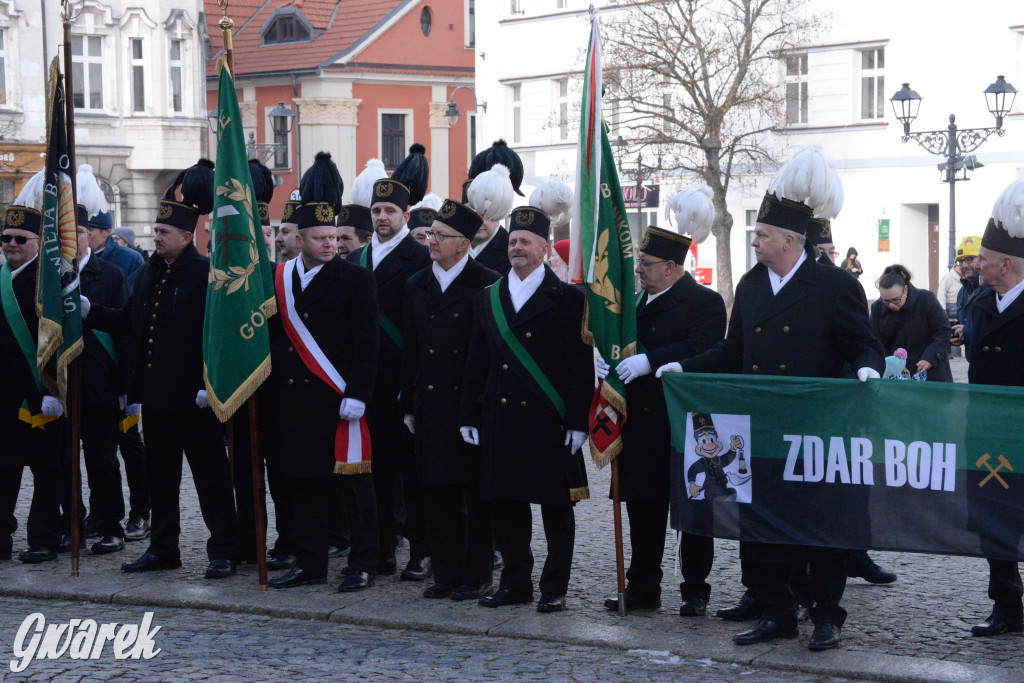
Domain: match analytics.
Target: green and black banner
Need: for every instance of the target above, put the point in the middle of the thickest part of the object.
(908, 466)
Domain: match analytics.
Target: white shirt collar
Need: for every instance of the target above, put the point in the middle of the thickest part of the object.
(475, 251)
(84, 260)
(652, 297)
(305, 276)
(446, 277)
(382, 249)
(522, 290)
(1003, 301)
(780, 282)
(23, 266)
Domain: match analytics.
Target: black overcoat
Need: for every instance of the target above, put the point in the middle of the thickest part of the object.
(392, 442)
(495, 254)
(522, 438)
(103, 378)
(683, 321)
(998, 342)
(921, 327)
(437, 331)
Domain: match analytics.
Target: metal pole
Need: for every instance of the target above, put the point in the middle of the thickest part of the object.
(620, 561)
(951, 159)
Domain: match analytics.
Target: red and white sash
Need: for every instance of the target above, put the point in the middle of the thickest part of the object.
(352, 438)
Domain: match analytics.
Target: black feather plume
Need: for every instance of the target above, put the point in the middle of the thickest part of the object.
(322, 182)
(196, 186)
(414, 173)
(499, 153)
(262, 181)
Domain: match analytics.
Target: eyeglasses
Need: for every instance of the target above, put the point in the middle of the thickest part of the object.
(647, 263)
(833, 253)
(966, 260)
(439, 236)
(894, 302)
(18, 239)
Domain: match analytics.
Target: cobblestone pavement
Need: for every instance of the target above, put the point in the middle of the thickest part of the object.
(214, 646)
(923, 618)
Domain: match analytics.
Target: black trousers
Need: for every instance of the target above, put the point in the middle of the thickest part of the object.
(200, 436)
(133, 452)
(44, 523)
(826, 583)
(460, 534)
(338, 533)
(513, 529)
(400, 513)
(99, 447)
(308, 497)
(1004, 586)
(648, 520)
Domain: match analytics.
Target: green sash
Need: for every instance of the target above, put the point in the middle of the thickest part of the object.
(522, 355)
(24, 338)
(107, 342)
(389, 327)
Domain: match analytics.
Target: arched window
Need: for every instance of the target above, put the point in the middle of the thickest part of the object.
(425, 21)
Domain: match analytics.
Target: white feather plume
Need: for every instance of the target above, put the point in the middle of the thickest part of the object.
(431, 201)
(810, 177)
(362, 186)
(89, 193)
(32, 194)
(554, 198)
(490, 193)
(1009, 209)
(693, 210)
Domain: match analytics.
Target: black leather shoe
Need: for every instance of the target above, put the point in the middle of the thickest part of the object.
(878, 576)
(551, 603)
(108, 544)
(416, 570)
(281, 561)
(693, 607)
(826, 637)
(36, 554)
(746, 609)
(296, 577)
(506, 597)
(387, 567)
(137, 529)
(632, 604)
(438, 590)
(220, 569)
(467, 592)
(355, 581)
(997, 624)
(764, 631)
(64, 544)
(148, 563)
(335, 551)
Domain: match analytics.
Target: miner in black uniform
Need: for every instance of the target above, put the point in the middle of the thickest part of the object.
(994, 354)
(165, 317)
(394, 256)
(324, 386)
(438, 324)
(528, 387)
(490, 244)
(794, 317)
(676, 318)
(819, 234)
(23, 401)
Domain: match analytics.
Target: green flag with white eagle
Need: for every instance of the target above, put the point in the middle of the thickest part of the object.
(240, 293)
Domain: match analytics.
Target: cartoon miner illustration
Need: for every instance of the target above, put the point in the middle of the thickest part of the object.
(712, 461)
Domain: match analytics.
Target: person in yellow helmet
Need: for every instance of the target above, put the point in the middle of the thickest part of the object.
(967, 259)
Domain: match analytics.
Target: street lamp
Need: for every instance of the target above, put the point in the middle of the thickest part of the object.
(452, 112)
(281, 124)
(281, 119)
(954, 143)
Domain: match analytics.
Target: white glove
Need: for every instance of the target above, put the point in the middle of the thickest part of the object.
(86, 306)
(470, 435)
(668, 367)
(122, 401)
(634, 366)
(601, 367)
(575, 439)
(410, 422)
(51, 407)
(351, 409)
(201, 399)
(865, 373)
(132, 409)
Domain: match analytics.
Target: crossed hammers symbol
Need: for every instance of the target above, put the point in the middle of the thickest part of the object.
(993, 471)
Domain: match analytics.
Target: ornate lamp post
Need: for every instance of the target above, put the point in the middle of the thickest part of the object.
(954, 143)
(281, 124)
(452, 112)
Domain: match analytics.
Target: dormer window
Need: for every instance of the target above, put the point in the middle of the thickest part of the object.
(286, 25)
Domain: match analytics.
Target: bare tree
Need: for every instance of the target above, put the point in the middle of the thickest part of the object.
(698, 80)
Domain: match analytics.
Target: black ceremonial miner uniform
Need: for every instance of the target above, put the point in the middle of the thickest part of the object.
(682, 321)
(495, 254)
(339, 309)
(165, 317)
(815, 324)
(392, 443)
(437, 331)
(523, 456)
(20, 445)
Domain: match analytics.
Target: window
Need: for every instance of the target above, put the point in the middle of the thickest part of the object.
(872, 83)
(560, 4)
(175, 64)
(3, 66)
(286, 28)
(563, 109)
(87, 71)
(751, 254)
(517, 113)
(472, 136)
(796, 89)
(425, 21)
(138, 70)
(281, 150)
(392, 139)
(471, 23)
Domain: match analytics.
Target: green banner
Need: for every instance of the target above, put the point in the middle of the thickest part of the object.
(907, 466)
(240, 294)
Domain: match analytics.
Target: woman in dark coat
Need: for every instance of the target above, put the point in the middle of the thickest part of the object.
(911, 318)
(850, 264)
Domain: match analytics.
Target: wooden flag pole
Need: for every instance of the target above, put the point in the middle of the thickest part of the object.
(620, 560)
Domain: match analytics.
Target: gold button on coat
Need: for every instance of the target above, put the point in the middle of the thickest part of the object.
(503, 401)
(785, 328)
(754, 368)
(528, 335)
(757, 330)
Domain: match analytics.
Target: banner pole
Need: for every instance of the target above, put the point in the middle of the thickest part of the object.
(620, 561)
(258, 495)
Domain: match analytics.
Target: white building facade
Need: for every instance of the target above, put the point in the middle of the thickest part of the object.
(838, 89)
